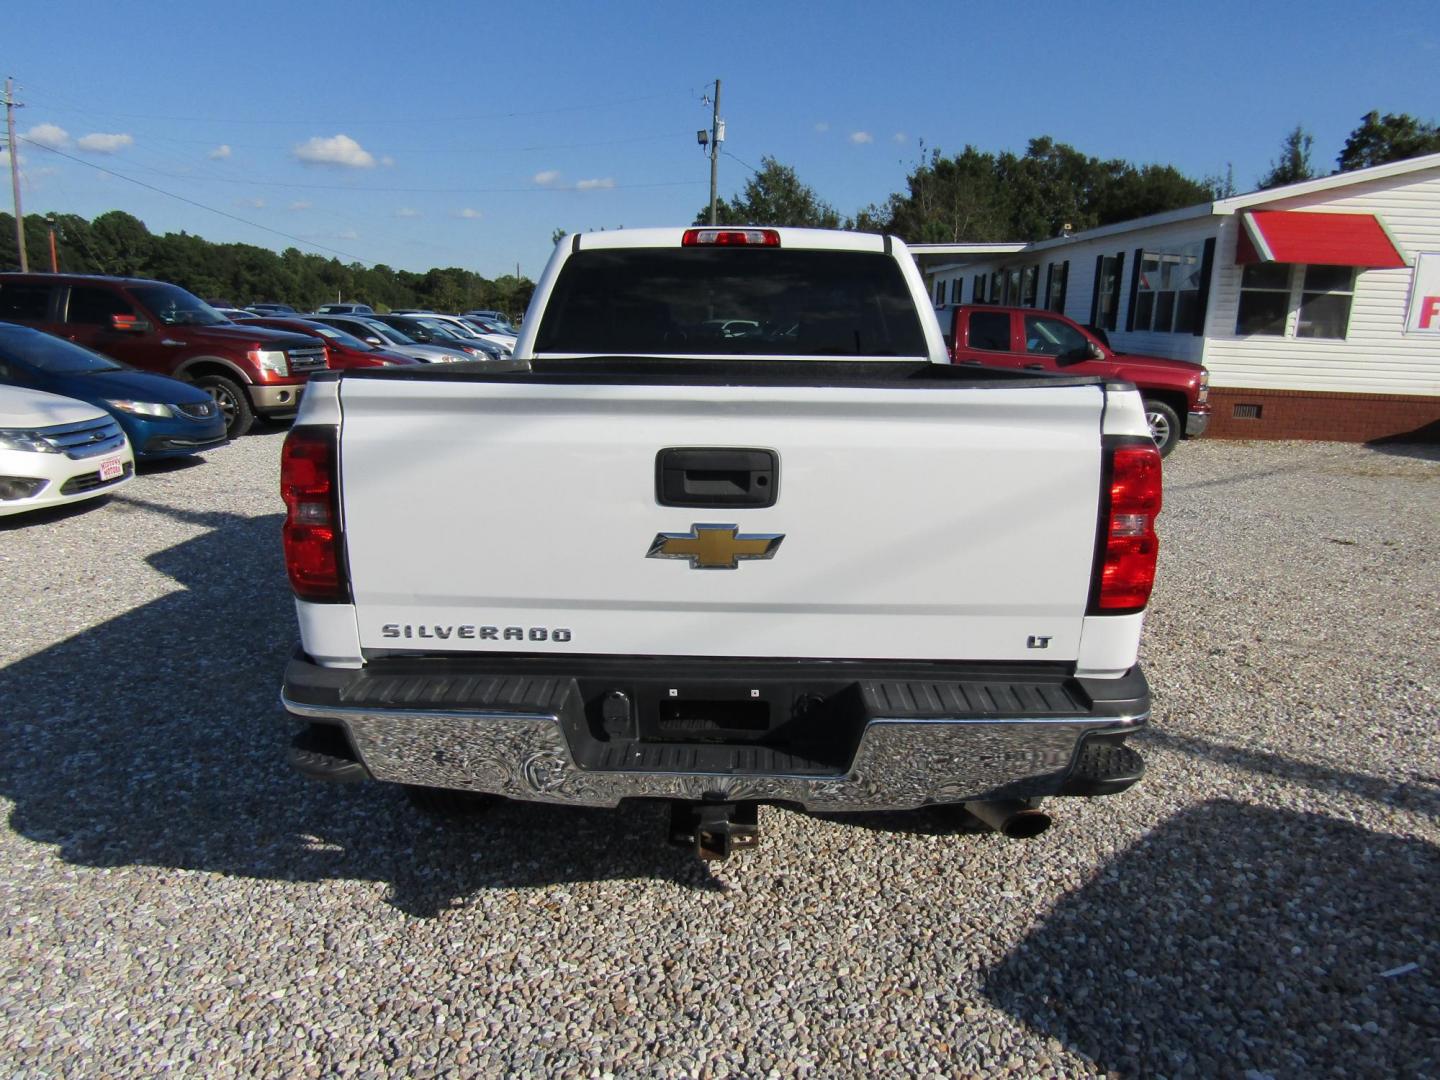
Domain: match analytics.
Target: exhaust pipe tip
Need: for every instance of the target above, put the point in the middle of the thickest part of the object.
(1011, 818)
(1025, 825)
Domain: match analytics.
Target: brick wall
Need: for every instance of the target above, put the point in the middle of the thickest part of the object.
(1305, 414)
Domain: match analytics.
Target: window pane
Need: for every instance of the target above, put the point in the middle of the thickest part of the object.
(1149, 272)
(1144, 307)
(93, 307)
(1187, 311)
(1164, 310)
(1266, 276)
(1262, 313)
(1328, 279)
(30, 303)
(990, 330)
(1323, 315)
(1051, 337)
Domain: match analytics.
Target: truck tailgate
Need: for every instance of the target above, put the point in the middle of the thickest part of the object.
(917, 523)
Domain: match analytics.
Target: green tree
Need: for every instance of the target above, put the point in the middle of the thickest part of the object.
(1293, 164)
(121, 244)
(773, 196)
(1380, 139)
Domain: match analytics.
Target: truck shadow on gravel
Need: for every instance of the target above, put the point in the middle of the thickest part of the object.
(1237, 938)
(157, 739)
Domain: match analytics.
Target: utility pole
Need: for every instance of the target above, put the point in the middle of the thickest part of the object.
(10, 108)
(717, 136)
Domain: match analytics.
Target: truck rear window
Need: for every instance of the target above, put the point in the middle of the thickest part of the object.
(756, 302)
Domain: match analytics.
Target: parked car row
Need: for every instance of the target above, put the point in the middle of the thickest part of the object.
(250, 363)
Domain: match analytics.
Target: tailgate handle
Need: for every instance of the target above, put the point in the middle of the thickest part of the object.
(703, 476)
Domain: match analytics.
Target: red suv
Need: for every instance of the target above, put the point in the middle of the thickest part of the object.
(1175, 391)
(159, 327)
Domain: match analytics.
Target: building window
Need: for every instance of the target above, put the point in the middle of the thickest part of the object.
(955, 287)
(1055, 287)
(1325, 295)
(1012, 286)
(1168, 297)
(997, 287)
(1107, 309)
(977, 294)
(1320, 297)
(939, 294)
(1264, 299)
(1029, 284)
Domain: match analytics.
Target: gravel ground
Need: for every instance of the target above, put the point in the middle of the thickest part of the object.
(1264, 905)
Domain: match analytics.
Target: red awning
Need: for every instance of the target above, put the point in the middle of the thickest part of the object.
(1298, 236)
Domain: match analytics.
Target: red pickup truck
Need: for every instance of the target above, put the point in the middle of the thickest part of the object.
(155, 326)
(1175, 391)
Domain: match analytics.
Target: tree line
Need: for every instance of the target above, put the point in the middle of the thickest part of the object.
(118, 243)
(977, 196)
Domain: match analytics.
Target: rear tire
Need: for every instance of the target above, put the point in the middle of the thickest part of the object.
(234, 403)
(1165, 426)
(448, 803)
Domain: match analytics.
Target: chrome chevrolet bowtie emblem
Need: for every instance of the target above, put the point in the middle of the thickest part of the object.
(714, 547)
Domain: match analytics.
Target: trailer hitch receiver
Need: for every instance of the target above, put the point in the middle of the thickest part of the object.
(714, 830)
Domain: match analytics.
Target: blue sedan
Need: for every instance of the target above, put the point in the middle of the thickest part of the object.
(163, 417)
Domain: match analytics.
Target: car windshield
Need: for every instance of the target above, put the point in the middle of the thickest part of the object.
(173, 306)
(386, 332)
(340, 337)
(53, 355)
(445, 329)
(755, 302)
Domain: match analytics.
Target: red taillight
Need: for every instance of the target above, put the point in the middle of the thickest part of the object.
(730, 238)
(1127, 562)
(312, 515)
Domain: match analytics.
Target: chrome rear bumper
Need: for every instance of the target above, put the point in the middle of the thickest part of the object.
(899, 763)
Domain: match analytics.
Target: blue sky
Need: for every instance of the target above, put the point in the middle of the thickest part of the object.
(463, 134)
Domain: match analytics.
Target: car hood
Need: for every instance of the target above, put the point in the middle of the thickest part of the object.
(22, 408)
(1160, 365)
(126, 384)
(236, 335)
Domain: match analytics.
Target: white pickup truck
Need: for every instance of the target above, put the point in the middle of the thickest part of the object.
(729, 531)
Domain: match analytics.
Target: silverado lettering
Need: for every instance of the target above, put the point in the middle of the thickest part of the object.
(472, 632)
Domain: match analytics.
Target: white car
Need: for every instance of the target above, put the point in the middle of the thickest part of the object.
(56, 450)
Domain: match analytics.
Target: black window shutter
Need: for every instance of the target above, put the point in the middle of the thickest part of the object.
(1207, 267)
(1134, 289)
(1095, 292)
(1049, 281)
(1064, 284)
(1114, 313)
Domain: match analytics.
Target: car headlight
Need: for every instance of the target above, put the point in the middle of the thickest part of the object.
(450, 358)
(140, 408)
(272, 362)
(16, 439)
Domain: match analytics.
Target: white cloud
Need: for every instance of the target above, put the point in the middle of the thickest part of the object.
(860, 138)
(407, 211)
(300, 204)
(387, 161)
(899, 137)
(50, 135)
(20, 159)
(549, 176)
(101, 143)
(336, 150)
(591, 185)
(252, 203)
(822, 127)
(220, 153)
(469, 213)
(347, 234)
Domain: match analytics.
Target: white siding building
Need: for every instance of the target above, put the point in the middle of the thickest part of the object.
(1307, 303)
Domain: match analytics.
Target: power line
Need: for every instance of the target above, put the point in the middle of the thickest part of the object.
(745, 163)
(409, 121)
(192, 202)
